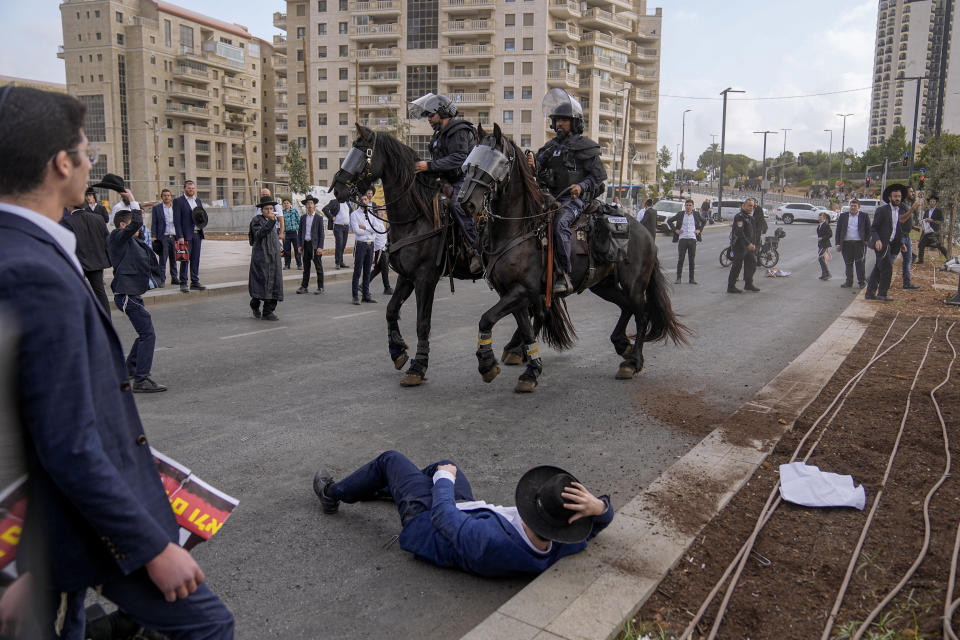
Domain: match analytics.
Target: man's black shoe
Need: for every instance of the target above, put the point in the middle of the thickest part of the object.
(256, 313)
(750, 287)
(869, 296)
(912, 287)
(356, 301)
(884, 298)
(196, 286)
(915, 261)
(734, 290)
(321, 481)
(694, 282)
(184, 288)
(302, 290)
(148, 386)
(861, 284)
(270, 316)
(174, 281)
(318, 291)
(161, 286)
(388, 291)
(677, 281)
(369, 299)
(846, 285)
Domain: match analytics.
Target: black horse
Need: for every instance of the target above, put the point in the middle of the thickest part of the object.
(507, 197)
(423, 243)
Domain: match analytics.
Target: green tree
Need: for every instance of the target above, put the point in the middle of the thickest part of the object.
(933, 151)
(893, 148)
(709, 160)
(296, 167)
(943, 178)
(663, 161)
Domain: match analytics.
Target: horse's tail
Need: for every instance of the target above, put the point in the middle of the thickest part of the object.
(556, 326)
(662, 322)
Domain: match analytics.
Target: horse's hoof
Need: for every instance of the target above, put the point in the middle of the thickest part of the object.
(400, 360)
(411, 380)
(625, 372)
(525, 386)
(511, 358)
(491, 374)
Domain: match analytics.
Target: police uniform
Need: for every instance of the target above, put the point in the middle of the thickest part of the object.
(741, 237)
(560, 164)
(448, 149)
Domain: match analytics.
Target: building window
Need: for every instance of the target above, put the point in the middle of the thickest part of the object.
(321, 74)
(98, 35)
(509, 44)
(302, 142)
(301, 121)
(528, 44)
(301, 10)
(526, 93)
(322, 164)
(321, 52)
(301, 33)
(508, 68)
(344, 119)
(421, 79)
(186, 36)
(422, 24)
(321, 6)
(420, 144)
(525, 116)
(344, 5)
(528, 68)
(528, 19)
(299, 55)
(94, 124)
(301, 98)
(167, 33)
(321, 28)
(170, 143)
(343, 50)
(322, 142)
(99, 57)
(322, 97)
(342, 141)
(525, 140)
(343, 96)
(169, 162)
(510, 20)
(301, 77)
(342, 28)
(508, 93)
(119, 17)
(508, 116)
(343, 73)
(322, 119)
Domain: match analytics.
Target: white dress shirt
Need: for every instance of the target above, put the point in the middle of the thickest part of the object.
(357, 220)
(380, 229)
(343, 216)
(688, 227)
(308, 225)
(169, 228)
(60, 234)
(853, 229)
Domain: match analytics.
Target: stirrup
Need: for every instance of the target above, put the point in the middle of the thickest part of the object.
(562, 286)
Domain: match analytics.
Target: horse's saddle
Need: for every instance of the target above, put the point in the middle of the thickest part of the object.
(601, 231)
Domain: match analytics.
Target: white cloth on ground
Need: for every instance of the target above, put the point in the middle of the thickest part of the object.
(806, 485)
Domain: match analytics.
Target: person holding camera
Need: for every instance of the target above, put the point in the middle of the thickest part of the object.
(265, 282)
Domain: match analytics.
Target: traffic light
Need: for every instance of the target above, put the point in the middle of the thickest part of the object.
(906, 158)
(799, 159)
(922, 179)
(868, 182)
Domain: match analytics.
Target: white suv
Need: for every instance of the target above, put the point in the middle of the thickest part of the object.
(791, 212)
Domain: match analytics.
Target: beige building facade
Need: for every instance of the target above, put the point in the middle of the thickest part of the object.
(363, 60)
(172, 95)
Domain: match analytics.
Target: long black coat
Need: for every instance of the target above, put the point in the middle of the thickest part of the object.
(266, 274)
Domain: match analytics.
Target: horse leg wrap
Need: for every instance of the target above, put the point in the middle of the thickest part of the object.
(395, 343)
(485, 357)
(423, 354)
(534, 363)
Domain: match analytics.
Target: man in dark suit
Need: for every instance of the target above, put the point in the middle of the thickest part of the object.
(649, 218)
(310, 239)
(97, 510)
(187, 230)
(91, 233)
(885, 238)
(163, 228)
(853, 232)
(686, 226)
(930, 222)
(90, 204)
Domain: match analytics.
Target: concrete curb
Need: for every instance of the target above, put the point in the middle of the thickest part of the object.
(591, 595)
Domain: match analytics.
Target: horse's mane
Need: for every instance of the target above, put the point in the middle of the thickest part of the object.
(532, 196)
(402, 158)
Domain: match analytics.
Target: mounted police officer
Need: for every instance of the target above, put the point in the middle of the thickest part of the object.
(453, 138)
(569, 167)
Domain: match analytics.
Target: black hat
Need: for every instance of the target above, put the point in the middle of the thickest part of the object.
(265, 200)
(111, 181)
(902, 188)
(308, 199)
(541, 505)
(90, 191)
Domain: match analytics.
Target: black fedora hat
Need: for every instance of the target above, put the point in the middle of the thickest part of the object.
(90, 192)
(111, 181)
(265, 200)
(896, 186)
(541, 505)
(309, 198)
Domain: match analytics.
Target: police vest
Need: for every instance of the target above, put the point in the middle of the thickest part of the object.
(565, 163)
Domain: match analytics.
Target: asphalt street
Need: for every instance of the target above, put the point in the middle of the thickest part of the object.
(255, 408)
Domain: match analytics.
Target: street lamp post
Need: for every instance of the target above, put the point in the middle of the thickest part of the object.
(763, 189)
(683, 138)
(613, 172)
(723, 141)
(843, 141)
(156, 152)
(829, 155)
(916, 115)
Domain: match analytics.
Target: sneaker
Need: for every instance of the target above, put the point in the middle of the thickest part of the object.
(302, 290)
(869, 296)
(196, 286)
(912, 287)
(388, 291)
(148, 386)
(356, 301)
(734, 290)
(270, 316)
(318, 291)
(321, 481)
(369, 299)
(750, 287)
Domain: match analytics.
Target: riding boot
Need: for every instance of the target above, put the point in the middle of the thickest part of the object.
(476, 266)
(562, 286)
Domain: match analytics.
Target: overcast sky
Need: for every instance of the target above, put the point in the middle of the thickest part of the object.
(769, 49)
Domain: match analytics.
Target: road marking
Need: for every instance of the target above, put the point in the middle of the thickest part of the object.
(354, 315)
(250, 333)
(443, 298)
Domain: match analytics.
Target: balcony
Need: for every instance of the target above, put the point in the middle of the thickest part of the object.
(230, 133)
(379, 78)
(458, 28)
(188, 92)
(610, 109)
(643, 75)
(643, 55)
(281, 107)
(236, 101)
(189, 111)
(644, 95)
(648, 29)
(561, 78)
(235, 83)
(279, 62)
(235, 120)
(373, 32)
(466, 6)
(280, 20)
(610, 86)
(605, 131)
(238, 165)
(617, 44)
(605, 63)
(473, 99)
(280, 128)
(481, 74)
(374, 122)
(60, 53)
(389, 53)
(280, 44)
(376, 7)
(204, 164)
(281, 173)
(643, 137)
(192, 54)
(560, 31)
(565, 8)
(600, 19)
(470, 51)
(643, 116)
(567, 54)
(282, 148)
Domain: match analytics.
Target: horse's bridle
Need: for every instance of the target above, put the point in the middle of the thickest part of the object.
(485, 167)
(356, 166)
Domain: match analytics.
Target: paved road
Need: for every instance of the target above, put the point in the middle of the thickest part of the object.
(255, 408)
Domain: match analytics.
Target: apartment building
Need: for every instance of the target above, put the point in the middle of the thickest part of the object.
(363, 60)
(913, 40)
(172, 95)
(33, 84)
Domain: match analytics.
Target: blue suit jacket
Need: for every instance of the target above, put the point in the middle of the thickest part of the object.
(183, 217)
(96, 508)
(481, 542)
(158, 223)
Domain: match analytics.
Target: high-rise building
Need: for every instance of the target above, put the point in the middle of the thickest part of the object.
(364, 60)
(33, 84)
(913, 41)
(172, 95)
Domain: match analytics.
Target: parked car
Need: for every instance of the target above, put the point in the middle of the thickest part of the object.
(791, 212)
(666, 209)
(726, 209)
(867, 205)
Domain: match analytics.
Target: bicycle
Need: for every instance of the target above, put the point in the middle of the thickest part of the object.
(768, 255)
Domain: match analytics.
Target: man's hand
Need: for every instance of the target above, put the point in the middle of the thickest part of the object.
(578, 499)
(575, 191)
(751, 247)
(175, 573)
(531, 160)
(838, 247)
(420, 166)
(299, 250)
(126, 193)
(677, 231)
(878, 245)
(15, 605)
(319, 252)
(696, 231)
(449, 468)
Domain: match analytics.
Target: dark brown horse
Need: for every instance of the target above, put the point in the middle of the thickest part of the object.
(512, 207)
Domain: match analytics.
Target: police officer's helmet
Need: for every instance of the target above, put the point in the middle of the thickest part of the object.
(427, 105)
(560, 104)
